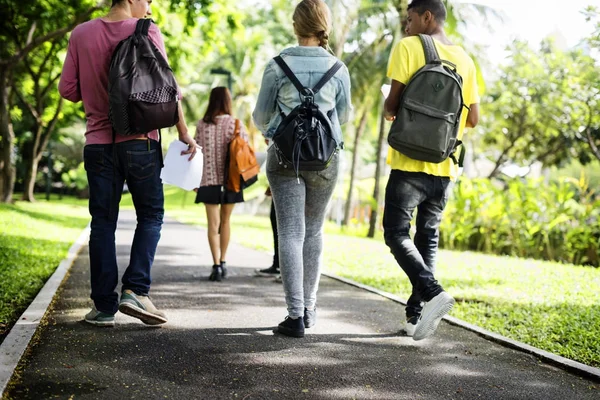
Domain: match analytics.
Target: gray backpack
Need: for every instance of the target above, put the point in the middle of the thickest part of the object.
(428, 119)
(142, 91)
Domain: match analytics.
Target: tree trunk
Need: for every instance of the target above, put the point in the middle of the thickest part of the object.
(378, 168)
(7, 138)
(29, 183)
(38, 146)
(361, 127)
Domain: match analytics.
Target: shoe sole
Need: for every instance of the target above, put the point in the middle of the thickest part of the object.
(427, 327)
(410, 332)
(104, 324)
(144, 316)
(266, 274)
(289, 332)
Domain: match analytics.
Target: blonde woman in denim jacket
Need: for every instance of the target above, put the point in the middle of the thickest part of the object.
(300, 203)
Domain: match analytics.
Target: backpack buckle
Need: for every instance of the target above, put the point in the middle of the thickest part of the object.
(307, 96)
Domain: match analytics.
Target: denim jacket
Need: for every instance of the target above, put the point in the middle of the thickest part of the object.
(277, 94)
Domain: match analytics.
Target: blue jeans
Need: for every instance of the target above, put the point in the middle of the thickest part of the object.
(405, 192)
(137, 162)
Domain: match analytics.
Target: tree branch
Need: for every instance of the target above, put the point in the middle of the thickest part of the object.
(29, 107)
(31, 32)
(49, 86)
(48, 131)
(49, 54)
(49, 36)
(588, 133)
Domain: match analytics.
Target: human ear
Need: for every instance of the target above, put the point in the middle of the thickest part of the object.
(427, 17)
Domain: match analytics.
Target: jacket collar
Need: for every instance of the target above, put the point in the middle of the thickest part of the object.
(306, 51)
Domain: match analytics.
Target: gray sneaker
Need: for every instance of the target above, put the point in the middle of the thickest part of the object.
(433, 312)
(99, 318)
(141, 307)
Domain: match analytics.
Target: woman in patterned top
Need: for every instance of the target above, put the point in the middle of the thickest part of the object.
(213, 134)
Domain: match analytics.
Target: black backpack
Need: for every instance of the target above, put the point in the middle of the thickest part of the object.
(303, 140)
(428, 119)
(142, 91)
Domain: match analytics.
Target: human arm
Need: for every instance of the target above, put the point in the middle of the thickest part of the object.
(473, 98)
(343, 103)
(68, 86)
(399, 74)
(473, 116)
(392, 102)
(184, 136)
(266, 103)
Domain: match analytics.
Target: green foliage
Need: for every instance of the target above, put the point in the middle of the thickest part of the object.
(75, 178)
(543, 108)
(559, 221)
(34, 239)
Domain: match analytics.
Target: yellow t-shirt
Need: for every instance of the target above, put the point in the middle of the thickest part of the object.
(407, 58)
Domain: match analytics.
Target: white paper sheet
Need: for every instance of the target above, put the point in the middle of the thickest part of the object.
(178, 170)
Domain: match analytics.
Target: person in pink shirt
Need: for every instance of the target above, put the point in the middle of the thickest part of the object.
(136, 160)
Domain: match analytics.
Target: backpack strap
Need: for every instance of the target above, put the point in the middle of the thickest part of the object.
(143, 26)
(288, 72)
(299, 86)
(429, 49)
(332, 71)
(236, 130)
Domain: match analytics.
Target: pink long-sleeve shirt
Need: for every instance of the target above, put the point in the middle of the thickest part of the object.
(85, 72)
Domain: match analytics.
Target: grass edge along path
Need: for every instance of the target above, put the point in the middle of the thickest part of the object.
(34, 239)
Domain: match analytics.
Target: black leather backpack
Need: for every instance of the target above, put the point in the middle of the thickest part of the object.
(303, 140)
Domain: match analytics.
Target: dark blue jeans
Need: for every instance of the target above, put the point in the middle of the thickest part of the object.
(405, 192)
(137, 162)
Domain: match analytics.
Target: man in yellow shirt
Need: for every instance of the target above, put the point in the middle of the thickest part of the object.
(422, 185)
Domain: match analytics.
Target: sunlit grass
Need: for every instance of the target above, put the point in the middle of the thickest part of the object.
(34, 239)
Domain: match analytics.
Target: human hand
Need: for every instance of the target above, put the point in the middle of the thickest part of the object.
(192, 146)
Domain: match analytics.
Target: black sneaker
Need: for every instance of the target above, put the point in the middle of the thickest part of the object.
(271, 271)
(310, 318)
(291, 327)
(223, 269)
(216, 274)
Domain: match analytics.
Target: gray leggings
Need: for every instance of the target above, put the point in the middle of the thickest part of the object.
(300, 208)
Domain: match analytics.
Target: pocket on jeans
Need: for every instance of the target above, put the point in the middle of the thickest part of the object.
(93, 159)
(331, 172)
(141, 164)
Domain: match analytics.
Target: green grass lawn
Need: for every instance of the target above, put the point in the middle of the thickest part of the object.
(548, 305)
(34, 239)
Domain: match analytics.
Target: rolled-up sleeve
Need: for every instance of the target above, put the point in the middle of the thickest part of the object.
(68, 86)
(343, 103)
(266, 103)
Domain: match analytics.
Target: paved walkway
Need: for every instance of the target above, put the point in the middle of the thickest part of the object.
(218, 343)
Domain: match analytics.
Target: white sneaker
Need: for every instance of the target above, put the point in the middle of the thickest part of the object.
(410, 325)
(433, 312)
